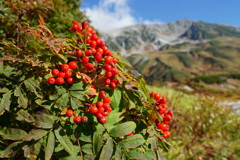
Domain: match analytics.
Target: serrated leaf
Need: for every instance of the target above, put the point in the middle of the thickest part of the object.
(97, 142)
(60, 90)
(5, 102)
(33, 84)
(75, 103)
(132, 141)
(77, 86)
(116, 98)
(50, 146)
(78, 94)
(107, 150)
(87, 148)
(22, 100)
(44, 120)
(112, 119)
(13, 134)
(35, 135)
(11, 149)
(63, 139)
(23, 115)
(138, 154)
(122, 129)
(72, 157)
(62, 102)
(4, 90)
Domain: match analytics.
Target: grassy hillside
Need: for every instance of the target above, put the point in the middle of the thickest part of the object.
(178, 62)
(202, 129)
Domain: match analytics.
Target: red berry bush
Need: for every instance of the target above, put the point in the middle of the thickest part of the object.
(75, 99)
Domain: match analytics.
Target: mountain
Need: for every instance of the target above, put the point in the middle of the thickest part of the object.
(178, 50)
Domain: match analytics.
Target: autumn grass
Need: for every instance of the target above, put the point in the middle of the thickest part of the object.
(202, 129)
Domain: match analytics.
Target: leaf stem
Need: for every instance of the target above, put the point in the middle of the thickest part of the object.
(79, 145)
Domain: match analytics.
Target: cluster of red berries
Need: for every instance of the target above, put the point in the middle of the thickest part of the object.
(76, 119)
(166, 114)
(102, 108)
(64, 74)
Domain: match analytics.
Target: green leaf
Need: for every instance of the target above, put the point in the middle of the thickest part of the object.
(112, 119)
(75, 103)
(78, 94)
(77, 86)
(22, 99)
(44, 120)
(107, 150)
(116, 98)
(118, 153)
(33, 84)
(97, 142)
(63, 139)
(50, 146)
(5, 102)
(3, 90)
(123, 129)
(87, 148)
(35, 134)
(23, 115)
(132, 141)
(62, 102)
(143, 88)
(13, 134)
(11, 149)
(71, 157)
(138, 154)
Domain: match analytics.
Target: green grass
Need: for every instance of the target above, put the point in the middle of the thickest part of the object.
(202, 129)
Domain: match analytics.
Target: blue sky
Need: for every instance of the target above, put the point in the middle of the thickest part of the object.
(109, 14)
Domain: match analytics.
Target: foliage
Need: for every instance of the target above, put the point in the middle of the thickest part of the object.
(203, 129)
(33, 117)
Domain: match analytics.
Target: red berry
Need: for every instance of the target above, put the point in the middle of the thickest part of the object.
(105, 113)
(108, 67)
(69, 113)
(77, 119)
(102, 94)
(102, 120)
(166, 134)
(114, 60)
(84, 119)
(98, 115)
(59, 81)
(112, 85)
(98, 57)
(167, 117)
(106, 106)
(163, 101)
(100, 50)
(115, 81)
(100, 109)
(55, 72)
(88, 52)
(109, 54)
(84, 24)
(157, 96)
(105, 49)
(61, 75)
(68, 74)
(85, 60)
(108, 74)
(106, 100)
(107, 81)
(93, 109)
(93, 86)
(89, 66)
(51, 80)
(170, 113)
(109, 109)
(99, 104)
(72, 65)
(162, 111)
(70, 80)
(93, 44)
(65, 67)
(78, 53)
(108, 59)
(115, 72)
(162, 127)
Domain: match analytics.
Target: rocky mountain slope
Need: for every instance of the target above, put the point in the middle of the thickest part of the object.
(179, 50)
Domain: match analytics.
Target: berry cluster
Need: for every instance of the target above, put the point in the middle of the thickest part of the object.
(76, 119)
(92, 58)
(166, 114)
(64, 74)
(102, 108)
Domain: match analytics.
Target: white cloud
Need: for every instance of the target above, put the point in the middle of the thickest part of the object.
(111, 14)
